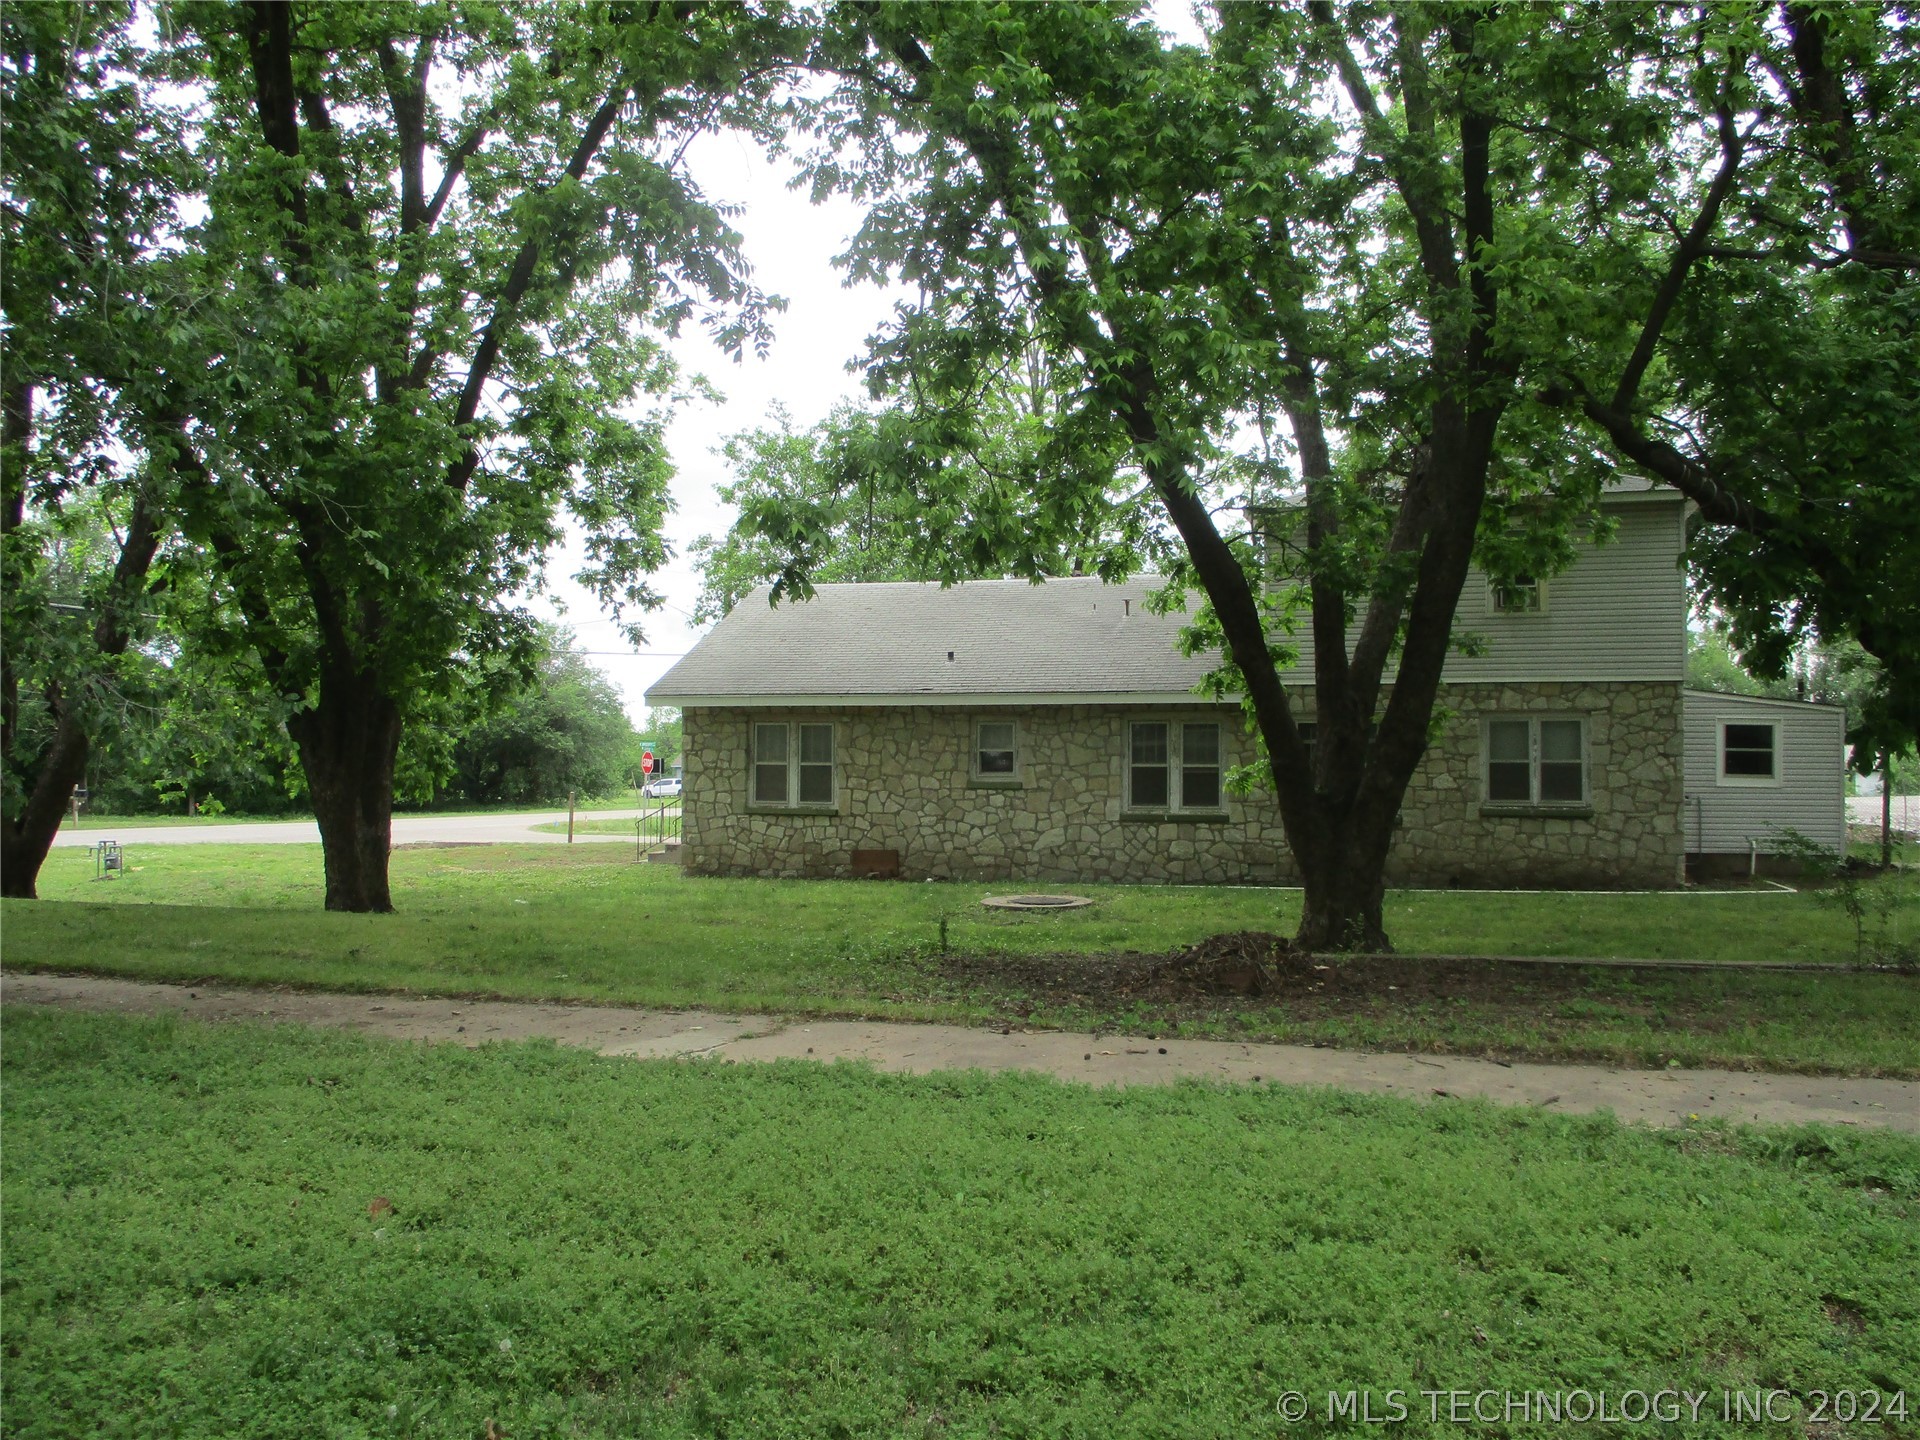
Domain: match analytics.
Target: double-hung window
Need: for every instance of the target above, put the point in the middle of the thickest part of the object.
(792, 764)
(996, 752)
(1749, 753)
(1173, 765)
(1536, 761)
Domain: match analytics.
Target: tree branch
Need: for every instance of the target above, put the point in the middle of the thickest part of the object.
(1432, 228)
(519, 277)
(1690, 249)
(270, 44)
(454, 168)
(406, 94)
(168, 438)
(313, 108)
(1821, 101)
(1719, 504)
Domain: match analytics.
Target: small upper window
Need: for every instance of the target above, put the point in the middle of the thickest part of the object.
(1749, 753)
(1519, 595)
(996, 753)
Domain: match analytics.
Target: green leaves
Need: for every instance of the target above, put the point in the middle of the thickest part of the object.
(1435, 240)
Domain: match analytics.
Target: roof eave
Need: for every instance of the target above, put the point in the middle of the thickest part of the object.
(944, 699)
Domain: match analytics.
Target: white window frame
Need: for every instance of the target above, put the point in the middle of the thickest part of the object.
(1176, 766)
(1535, 585)
(1748, 782)
(1008, 778)
(793, 729)
(1534, 762)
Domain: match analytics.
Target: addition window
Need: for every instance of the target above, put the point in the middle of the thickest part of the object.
(1749, 753)
(996, 751)
(1173, 766)
(792, 764)
(1519, 595)
(1536, 762)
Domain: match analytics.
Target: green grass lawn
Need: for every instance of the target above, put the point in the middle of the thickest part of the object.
(586, 923)
(236, 1231)
(1905, 852)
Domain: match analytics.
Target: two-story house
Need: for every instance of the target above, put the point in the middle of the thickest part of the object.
(999, 729)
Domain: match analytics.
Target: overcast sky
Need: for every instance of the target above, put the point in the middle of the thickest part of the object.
(791, 243)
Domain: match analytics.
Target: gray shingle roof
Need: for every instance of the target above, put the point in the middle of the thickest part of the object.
(1069, 637)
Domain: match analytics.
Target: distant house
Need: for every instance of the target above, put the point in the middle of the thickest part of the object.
(999, 729)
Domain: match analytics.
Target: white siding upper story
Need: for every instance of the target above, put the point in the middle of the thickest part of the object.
(1727, 810)
(1619, 612)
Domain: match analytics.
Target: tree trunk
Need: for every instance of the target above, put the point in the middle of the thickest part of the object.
(1343, 872)
(26, 838)
(348, 744)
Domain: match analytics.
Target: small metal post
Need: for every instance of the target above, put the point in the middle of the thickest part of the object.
(1886, 809)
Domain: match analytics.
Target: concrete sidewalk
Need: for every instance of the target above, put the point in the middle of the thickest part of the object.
(1668, 1097)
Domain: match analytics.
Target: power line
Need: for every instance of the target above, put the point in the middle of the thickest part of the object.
(634, 654)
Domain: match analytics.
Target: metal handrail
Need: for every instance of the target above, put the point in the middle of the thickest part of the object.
(655, 827)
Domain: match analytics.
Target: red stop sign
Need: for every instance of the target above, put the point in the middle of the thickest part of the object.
(646, 762)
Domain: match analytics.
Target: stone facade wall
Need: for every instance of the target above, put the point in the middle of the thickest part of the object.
(904, 783)
(1632, 837)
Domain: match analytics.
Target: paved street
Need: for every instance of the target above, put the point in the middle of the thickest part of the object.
(1865, 810)
(516, 829)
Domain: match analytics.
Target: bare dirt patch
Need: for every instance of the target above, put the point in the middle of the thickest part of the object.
(1260, 980)
(1258, 965)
